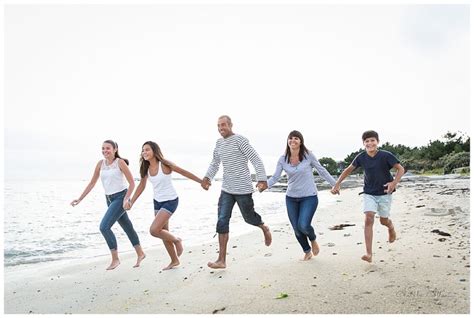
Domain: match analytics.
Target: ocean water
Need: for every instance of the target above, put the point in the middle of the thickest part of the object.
(41, 226)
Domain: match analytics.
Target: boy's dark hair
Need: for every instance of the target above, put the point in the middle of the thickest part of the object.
(370, 134)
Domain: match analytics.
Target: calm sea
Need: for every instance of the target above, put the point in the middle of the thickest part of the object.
(41, 226)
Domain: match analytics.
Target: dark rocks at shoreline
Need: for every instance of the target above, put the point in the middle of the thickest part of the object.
(350, 182)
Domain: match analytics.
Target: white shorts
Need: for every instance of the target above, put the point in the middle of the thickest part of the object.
(378, 203)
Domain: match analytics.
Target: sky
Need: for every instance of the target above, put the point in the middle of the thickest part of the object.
(76, 75)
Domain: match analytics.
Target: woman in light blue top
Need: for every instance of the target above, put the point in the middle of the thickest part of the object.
(301, 195)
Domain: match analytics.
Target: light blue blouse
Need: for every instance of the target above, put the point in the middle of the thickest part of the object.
(300, 177)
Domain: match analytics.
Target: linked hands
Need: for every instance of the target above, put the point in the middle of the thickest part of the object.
(336, 189)
(262, 186)
(127, 204)
(205, 183)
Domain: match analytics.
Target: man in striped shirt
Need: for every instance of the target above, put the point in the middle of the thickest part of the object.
(234, 151)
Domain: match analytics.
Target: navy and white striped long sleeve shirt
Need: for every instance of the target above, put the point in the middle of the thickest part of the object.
(300, 177)
(234, 152)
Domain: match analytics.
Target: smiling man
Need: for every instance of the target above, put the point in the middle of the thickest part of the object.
(234, 151)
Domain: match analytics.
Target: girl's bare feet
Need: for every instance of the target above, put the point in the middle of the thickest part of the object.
(139, 260)
(307, 256)
(315, 247)
(113, 265)
(367, 258)
(171, 265)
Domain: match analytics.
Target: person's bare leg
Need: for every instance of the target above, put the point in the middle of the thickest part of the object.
(179, 246)
(267, 234)
(140, 255)
(115, 260)
(220, 263)
(314, 247)
(368, 233)
(170, 248)
(159, 228)
(392, 235)
(165, 234)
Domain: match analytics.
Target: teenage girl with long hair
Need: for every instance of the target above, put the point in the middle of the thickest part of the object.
(155, 168)
(114, 173)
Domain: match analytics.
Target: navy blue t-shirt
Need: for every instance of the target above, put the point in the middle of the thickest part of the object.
(376, 170)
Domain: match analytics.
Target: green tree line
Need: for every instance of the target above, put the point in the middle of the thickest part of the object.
(439, 156)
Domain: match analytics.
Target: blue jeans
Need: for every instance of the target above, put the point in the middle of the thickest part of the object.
(225, 206)
(300, 213)
(116, 213)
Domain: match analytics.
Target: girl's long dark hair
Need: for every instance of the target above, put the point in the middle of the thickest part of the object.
(145, 164)
(115, 145)
(303, 149)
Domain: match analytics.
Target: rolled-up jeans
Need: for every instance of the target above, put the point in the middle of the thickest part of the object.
(301, 212)
(225, 206)
(116, 213)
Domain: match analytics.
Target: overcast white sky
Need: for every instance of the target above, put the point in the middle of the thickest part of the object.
(76, 75)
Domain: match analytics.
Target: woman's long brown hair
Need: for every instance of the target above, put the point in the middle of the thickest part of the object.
(145, 164)
(303, 149)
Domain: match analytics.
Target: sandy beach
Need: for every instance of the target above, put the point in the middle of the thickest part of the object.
(421, 272)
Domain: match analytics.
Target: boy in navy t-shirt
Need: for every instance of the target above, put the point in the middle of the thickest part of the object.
(378, 186)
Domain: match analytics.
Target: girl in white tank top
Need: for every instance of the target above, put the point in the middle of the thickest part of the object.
(158, 170)
(112, 177)
(163, 189)
(114, 174)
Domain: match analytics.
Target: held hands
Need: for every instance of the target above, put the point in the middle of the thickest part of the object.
(127, 204)
(390, 187)
(336, 189)
(205, 183)
(75, 202)
(262, 186)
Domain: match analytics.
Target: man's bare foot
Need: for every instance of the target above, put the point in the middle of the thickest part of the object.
(307, 256)
(113, 265)
(367, 258)
(216, 265)
(171, 265)
(392, 236)
(315, 247)
(139, 260)
(267, 234)
(179, 247)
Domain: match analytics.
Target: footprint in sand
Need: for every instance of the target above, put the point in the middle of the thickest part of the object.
(439, 212)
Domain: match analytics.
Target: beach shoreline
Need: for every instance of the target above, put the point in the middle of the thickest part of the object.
(421, 272)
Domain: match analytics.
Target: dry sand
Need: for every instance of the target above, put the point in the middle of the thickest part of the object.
(418, 273)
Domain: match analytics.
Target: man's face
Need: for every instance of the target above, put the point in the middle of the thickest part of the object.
(224, 127)
(371, 144)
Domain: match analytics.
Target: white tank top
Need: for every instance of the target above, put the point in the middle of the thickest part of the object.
(112, 177)
(163, 189)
